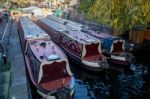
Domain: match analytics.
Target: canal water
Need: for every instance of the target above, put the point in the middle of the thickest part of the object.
(119, 83)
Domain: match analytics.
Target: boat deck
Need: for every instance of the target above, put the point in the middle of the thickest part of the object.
(70, 32)
(78, 27)
(31, 30)
(68, 22)
(99, 35)
(46, 50)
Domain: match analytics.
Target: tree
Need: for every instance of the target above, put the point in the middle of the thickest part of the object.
(120, 14)
(22, 3)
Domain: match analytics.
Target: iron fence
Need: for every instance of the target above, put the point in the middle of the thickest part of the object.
(79, 18)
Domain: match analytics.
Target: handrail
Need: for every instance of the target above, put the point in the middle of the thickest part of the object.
(5, 31)
(6, 28)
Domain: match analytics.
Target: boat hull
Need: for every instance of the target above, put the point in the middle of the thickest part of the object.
(79, 61)
(118, 62)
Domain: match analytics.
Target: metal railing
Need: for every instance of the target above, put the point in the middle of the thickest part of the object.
(77, 17)
(5, 37)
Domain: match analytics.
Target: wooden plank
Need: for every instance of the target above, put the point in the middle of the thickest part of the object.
(147, 35)
(134, 36)
(138, 37)
(130, 35)
(142, 37)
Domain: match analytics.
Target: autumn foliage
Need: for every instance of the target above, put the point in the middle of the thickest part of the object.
(120, 14)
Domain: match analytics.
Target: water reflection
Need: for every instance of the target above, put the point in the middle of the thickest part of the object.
(133, 82)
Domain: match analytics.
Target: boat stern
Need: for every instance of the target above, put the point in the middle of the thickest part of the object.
(54, 78)
(92, 57)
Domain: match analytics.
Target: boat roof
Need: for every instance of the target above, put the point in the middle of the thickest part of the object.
(46, 50)
(70, 32)
(31, 30)
(78, 26)
(100, 35)
(63, 21)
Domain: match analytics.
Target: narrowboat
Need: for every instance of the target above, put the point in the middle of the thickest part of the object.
(47, 65)
(114, 50)
(81, 47)
(113, 46)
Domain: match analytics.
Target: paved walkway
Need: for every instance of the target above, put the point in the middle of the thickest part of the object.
(18, 74)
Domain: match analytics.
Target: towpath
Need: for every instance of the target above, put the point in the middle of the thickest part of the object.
(18, 72)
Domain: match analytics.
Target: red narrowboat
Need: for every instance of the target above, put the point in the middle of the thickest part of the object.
(81, 47)
(46, 64)
(117, 54)
(115, 51)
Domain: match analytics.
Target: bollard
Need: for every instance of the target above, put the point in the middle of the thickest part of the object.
(4, 59)
(131, 47)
